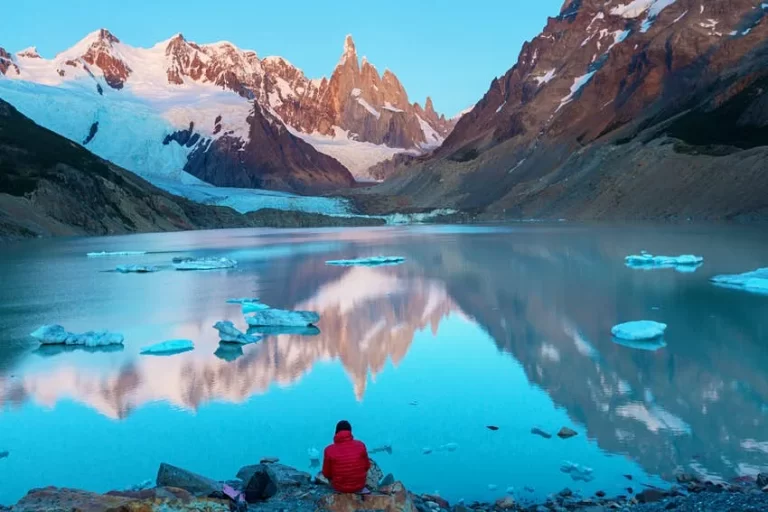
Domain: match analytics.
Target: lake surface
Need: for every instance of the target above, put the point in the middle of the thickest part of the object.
(506, 326)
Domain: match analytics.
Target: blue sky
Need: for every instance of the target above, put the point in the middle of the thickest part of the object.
(448, 49)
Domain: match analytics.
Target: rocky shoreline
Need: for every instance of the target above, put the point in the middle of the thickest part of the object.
(273, 487)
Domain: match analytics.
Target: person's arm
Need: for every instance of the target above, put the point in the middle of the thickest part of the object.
(327, 466)
(366, 459)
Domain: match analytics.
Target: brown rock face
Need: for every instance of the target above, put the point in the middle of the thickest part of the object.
(571, 122)
(6, 62)
(99, 54)
(390, 499)
(271, 158)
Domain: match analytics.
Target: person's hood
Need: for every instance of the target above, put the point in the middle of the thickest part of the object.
(343, 436)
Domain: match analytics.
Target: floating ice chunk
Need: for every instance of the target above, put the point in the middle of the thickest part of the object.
(229, 351)
(683, 263)
(375, 261)
(169, 347)
(136, 269)
(243, 300)
(204, 264)
(281, 317)
(252, 307)
(639, 330)
(276, 330)
(57, 335)
(385, 448)
(755, 281)
(577, 472)
(115, 253)
(650, 345)
(230, 334)
(314, 454)
(449, 447)
(426, 450)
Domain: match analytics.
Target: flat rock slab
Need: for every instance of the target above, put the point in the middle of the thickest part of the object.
(172, 476)
(55, 499)
(391, 499)
(285, 475)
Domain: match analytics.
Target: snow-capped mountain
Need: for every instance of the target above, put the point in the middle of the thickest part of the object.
(182, 111)
(618, 108)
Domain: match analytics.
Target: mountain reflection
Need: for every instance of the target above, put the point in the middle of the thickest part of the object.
(700, 403)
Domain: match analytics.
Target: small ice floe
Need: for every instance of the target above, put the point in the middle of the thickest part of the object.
(374, 261)
(168, 348)
(639, 330)
(276, 330)
(386, 448)
(229, 351)
(754, 282)
(413, 403)
(577, 472)
(683, 263)
(282, 317)
(57, 335)
(244, 300)
(228, 333)
(55, 350)
(136, 269)
(115, 253)
(449, 447)
(203, 263)
(314, 457)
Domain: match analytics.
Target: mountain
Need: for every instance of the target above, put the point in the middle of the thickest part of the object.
(180, 111)
(52, 186)
(622, 110)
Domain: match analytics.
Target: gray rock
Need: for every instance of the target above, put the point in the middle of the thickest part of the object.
(566, 433)
(762, 480)
(172, 476)
(538, 432)
(387, 480)
(375, 475)
(262, 485)
(284, 475)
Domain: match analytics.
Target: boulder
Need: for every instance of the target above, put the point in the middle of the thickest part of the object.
(686, 478)
(285, 475)
(178, 500)
(172, 476)
(393, 498)
(507, 503)
(651, 496)
(262, 484)
(441, 502)
(566, 433)
(375, 476)
(762, 480)
(389, 479)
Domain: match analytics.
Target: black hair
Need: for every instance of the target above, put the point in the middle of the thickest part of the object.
(343, 425)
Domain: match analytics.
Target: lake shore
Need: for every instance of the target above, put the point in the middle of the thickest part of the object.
(270, 486)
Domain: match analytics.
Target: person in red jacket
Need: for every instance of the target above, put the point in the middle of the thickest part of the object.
(346, 462)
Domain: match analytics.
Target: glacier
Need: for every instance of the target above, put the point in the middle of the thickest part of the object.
(374, 261)
(684, 263)
(284, 318)
(204, 264)
(169, 347)
(754, 282)
(228, 333)
(57, 335)
(639, 330)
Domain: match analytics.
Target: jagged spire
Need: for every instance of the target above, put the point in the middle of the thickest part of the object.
(349, 46)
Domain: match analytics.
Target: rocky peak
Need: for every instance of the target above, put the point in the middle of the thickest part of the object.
(30, 53)
(350, 51)
(6, 62)
(100, 52)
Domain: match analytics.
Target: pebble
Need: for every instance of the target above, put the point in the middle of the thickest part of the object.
(566, 433)
(270, 460)
(538, 432)
(492, 427)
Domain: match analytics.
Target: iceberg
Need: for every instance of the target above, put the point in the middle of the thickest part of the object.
(244, 300)
(229, 352)
(284, 318)
(228, 333)
(252, 307)
(645, 261)
(55, 350)
(57, 335)
(136, 269)
(276, 330)
(204, 263)
(168, 348)
(754, 282)
(639, 330)
(115, 253)
(649, 345)
(375, 261)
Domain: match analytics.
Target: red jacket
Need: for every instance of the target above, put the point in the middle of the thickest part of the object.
(346, 463)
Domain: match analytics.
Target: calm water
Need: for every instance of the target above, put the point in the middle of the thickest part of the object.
(481, 326)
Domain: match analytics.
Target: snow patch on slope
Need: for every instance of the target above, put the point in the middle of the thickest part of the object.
(578, 83)
(432, 138)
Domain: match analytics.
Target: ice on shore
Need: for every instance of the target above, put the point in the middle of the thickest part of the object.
(228, 333)
(115, 253)
(57, 335)
(683, 263)
(169, 347)
(754, 282)
(375, 261)
(282, 317)
(136, 269)
(639, 330)
(204, 263)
